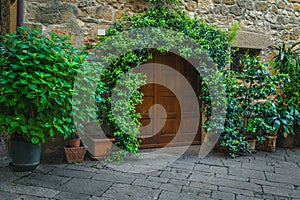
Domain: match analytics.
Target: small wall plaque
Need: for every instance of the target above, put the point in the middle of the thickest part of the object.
(101, 31)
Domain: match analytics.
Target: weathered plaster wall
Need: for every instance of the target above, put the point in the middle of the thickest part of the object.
(81, 19)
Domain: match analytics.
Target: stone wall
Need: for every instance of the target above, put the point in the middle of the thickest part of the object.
(81, 19)
(4, 16)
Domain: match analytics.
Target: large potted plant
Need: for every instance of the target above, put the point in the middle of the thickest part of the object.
(37, 73)
(256, 86)
(287, 61)
(288, 117)
(277, 120)
(271, 125)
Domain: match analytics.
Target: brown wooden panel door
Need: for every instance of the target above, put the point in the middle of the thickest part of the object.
(164, 126)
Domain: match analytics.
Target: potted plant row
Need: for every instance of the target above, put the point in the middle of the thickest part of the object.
(253, 93)
(287, 61)
(36, 79)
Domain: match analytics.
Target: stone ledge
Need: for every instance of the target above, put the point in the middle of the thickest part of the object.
(252, 40)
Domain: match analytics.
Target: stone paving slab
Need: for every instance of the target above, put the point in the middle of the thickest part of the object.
(86, 186)
(71, 196)
(129, 192)
(42, 180)
(263, 175)
(8, 195)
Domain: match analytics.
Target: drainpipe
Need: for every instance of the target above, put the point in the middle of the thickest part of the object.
(20, 13)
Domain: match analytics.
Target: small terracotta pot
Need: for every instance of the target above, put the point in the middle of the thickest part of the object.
(74, 142)
(270, 143)
(252, 144)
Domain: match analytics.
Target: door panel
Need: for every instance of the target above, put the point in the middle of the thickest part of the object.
(169, 123)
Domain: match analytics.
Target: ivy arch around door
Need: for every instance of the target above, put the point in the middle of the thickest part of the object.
(211, 39)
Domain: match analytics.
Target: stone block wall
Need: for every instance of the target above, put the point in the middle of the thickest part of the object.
(4, 16)
(81, 19)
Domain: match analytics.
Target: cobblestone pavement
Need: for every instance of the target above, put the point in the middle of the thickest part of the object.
(257, 176)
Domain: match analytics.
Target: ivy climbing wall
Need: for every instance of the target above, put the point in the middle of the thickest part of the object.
(81, 19)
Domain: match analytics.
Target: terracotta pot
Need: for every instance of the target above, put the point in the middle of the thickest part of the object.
(100, 148)
(75, 154)
(219, 148)
(74, 142)
(252, 144)
(288, 142)
(270, 143)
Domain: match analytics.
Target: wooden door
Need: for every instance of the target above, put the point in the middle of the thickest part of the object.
(165, 125)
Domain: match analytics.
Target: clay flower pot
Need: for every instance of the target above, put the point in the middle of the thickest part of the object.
(99, 148)
(252, 144)
(74, 142)
(270, 143)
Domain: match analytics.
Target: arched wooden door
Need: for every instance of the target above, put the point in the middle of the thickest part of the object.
(158, 94)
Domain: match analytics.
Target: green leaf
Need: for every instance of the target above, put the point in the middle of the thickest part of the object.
(11, 130)
(14, 124)
(30, 95)
(24, 129)
(276, 124)
(2, 98)
(32, 87)
(51, 133)
(35, 140)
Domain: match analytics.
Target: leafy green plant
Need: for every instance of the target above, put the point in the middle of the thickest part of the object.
(287, 58)
(287, 61)
(282, 118)
(249, 108)
(232, 137)
(116, 105)
(37, 73)
(256, 85)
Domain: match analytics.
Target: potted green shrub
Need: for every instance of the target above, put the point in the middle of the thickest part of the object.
(256, 86)
(288, 116)
(253, 131)
(287, 61)
(75, 150)
(278, 119)
(37, 73)
(271, 126)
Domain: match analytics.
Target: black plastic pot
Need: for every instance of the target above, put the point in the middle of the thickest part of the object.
(25, 156)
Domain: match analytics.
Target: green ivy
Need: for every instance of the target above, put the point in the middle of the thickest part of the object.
(36, 84)
(210, 39)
